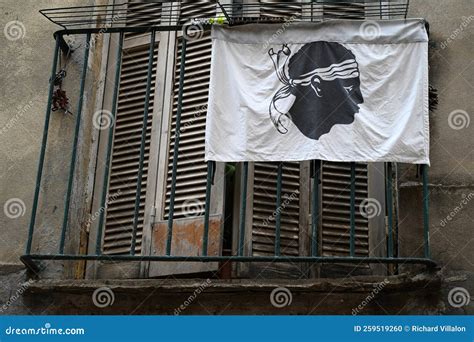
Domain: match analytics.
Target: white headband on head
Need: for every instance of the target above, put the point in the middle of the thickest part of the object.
(344, 70)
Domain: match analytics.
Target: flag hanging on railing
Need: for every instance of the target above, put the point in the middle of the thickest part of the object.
(339, 90)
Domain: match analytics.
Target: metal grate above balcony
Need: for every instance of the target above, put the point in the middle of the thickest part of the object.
(177, 13)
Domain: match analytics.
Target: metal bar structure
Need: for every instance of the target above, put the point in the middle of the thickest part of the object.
(143, 142)
(243, 207)
(426, 212)
(103, 202)
(118, 258)
(315, 208)
(74, 145)
(314, 255)
(389, 199)
(352, 210)
(176, 145)
(44, 142)
(205, 237)
(278, 210)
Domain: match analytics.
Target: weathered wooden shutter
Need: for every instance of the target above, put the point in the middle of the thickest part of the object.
(191, 168)
(126, 153)
(335, 193)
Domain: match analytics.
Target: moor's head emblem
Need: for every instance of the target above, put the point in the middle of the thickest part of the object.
(321, 88)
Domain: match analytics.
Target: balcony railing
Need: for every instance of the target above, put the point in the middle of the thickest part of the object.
(73, 21)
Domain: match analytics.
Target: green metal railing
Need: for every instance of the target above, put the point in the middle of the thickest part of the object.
(314, 256)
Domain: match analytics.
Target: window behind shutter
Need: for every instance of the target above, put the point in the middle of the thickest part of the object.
(126, 152)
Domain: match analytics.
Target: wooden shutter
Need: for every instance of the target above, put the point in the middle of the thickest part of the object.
(191, 168)
(277, 9)
(126, 152)
(335, 193)
(260, 218)
(142, 13)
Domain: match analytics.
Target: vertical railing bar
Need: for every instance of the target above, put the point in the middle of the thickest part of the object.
(389, 200)
(44, 141)
(426, 220)
(315, 208)
(278, 211)
(176, 146)
(74, 145)
(243, 207)
(100, 229)
(151, 55)
(352, 209)
(205, 237)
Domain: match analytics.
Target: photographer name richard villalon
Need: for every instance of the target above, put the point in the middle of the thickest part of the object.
(438, 328)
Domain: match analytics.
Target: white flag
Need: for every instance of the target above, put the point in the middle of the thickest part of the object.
(339, 90)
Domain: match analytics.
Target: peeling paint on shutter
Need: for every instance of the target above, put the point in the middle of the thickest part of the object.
(335, 190)
(126, 152)
(264, 209)
(192, 169)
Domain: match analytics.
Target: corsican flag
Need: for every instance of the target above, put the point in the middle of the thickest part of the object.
(339, 90)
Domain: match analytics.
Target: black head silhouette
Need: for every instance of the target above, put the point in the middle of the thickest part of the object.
(322, 88)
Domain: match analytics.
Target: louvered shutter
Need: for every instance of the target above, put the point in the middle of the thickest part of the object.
(260, 218)
(335, 193)
(191, 168)
(126, 153)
